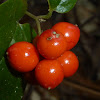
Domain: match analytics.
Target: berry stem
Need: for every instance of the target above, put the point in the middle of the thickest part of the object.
(30, 15)
(39, 27)
(37, 21)
(46, 16)
(37, 18)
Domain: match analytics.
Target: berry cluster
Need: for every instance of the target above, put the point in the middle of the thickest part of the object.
(49, 55)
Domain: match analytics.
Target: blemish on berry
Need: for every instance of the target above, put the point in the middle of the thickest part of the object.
(57, 35)
(49, 38)
(54, 32)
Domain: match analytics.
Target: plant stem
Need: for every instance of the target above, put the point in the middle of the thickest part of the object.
(36, 18)
(37, 21)
(31, 15)
(45, 16)
(39, 27)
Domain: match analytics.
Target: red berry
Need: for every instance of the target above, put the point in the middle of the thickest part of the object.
(70, 31)
(35, 41)
(69, 62)
(49, 73)
(22, 56)
(51, 44)
(35, 44)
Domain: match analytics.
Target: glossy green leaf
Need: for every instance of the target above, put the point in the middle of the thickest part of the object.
(65, 6)
(22, 33)
(11, 31)
(61, 6)
(53, 4)
(10, 86)
(6, 33)
(10, 12)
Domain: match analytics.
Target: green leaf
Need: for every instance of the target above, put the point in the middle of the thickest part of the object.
(53, 4)
(65, 6)
(61, 6)
(22, 33)
(10, 86)
(6, 34)
(10, 12)
(11, 31)
(8, 82)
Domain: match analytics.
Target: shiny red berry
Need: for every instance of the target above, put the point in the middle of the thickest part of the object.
(22, 56)
(71, 33)
(51, 44)
(69, 63)
(49, 73)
